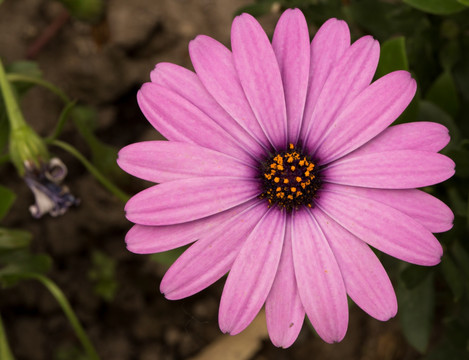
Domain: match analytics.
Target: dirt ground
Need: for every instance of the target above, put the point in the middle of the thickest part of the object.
(104, 65)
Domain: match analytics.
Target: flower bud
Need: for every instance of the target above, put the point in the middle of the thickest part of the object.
(27, 149)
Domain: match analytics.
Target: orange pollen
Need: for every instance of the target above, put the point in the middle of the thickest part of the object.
(289, 187)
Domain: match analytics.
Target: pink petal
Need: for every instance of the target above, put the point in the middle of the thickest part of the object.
(319, 279)
(327, 47)
(382, 226)
(260, 77)
(211, 257)
(432, 213)
(186, 83)
(161, 161)
(347, 79)
(283, 308)
(143, 239)
(252, 274)
(401, 169)
(214, 65)
(365, 279)
(179, 120)
(190, 199)
(372, 111)
(424, 136)
(291, 47)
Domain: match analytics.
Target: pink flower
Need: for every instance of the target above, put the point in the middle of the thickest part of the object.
(281, 169)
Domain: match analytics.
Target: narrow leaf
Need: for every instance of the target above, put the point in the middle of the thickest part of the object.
(20, 262)
(453, 277)
(443, 93)
(14, 239)
(437, 7)
(416, 308)
(27, 68)
(393, 57)
(7, 198)
(168, 257)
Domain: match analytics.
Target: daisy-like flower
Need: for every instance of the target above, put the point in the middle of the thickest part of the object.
(282, 170)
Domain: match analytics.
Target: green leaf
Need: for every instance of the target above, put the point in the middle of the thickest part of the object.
(461, 158)
(70, 352)
(168, 257)
(443, 93)
(437, 7)
(4, 127)
(5, 351)
(416, 307)
(393, 57)
(7, 198)
(413, 275)
(28, 68)
(14, 239)
(102, 274)
(431, 112)
(18, 262)
(258, 9)
(453, 277)
(103, 156)
(87, 10)
(464, 2)
(461, 257)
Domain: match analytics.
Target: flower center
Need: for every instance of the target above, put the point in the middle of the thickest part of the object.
(289, 179)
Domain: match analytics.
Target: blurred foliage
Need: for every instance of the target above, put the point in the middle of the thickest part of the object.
(102, 274)
(70, 353)
(168, 257)
(7, 197)
(87, 10)
(17, 262)
(103, 156)
(429, 38)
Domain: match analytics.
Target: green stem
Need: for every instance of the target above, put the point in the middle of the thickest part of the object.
(5, 352)
(69, 104)
(40, 82)
(15, 116)
(91, 168)
(62, 119)
(69, 313)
